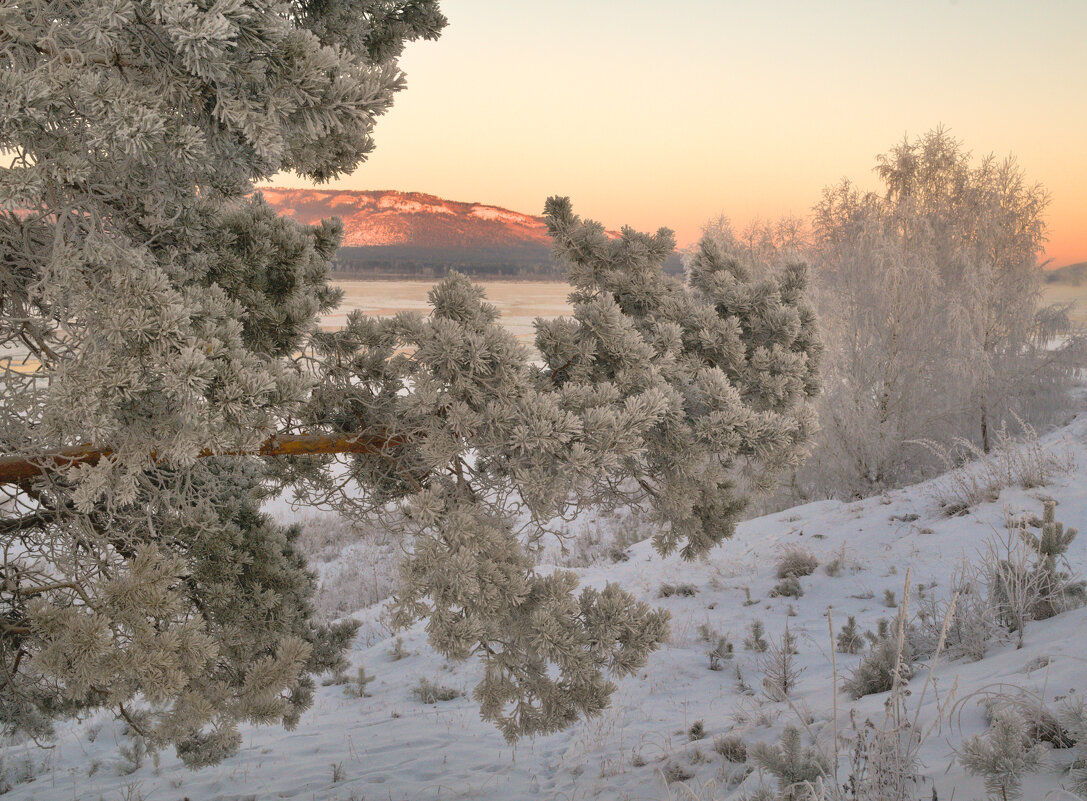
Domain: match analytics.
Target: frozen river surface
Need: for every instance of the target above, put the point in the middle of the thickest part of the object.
(519, 302)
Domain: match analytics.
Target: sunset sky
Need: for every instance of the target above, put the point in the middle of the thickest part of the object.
(669, 113)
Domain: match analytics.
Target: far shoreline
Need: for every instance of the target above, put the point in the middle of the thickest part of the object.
(533, 279)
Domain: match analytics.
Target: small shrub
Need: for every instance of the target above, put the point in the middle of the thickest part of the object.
(720, 652)
(431, 693)
(618, 553)
(608, 541)
(850, 640)
(20, 772)
(741, 685)
(732, 748)
(755, 640)
(761, 793)
(1042, 726)
(697, 731)
(675, 772)
(1073, 718)
(398, 652)
(1002, 755)
(748, 600)
(338, 774)
(788, 588)
(683, 590)
(889, 599)
(132, 756)
(883, 765)
(1058, 589)
(876, 673)
(973, 623)
(1020, 587)
(131, 791)
(796, 562)
(357, 689)
(781, 672)
(835, 566)
(882, 632)
(796, 768)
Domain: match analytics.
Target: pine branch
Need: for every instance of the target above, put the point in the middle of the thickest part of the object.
(28, 522)
(19, 469)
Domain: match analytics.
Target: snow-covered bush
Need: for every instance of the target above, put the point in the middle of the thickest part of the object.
(798, 769)
(787, 588)
(780, 671)
(1058, 589)
(1028, 575)
(849, 640)
(431, 692)
(889, 661)
(1002, 755)
(973, 623)
(732, 747)
(721, 651)
(795, 562)
(1074, 720)
(756, 637)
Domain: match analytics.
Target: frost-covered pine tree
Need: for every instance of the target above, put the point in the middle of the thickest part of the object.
(481, 450)
(487, 448)
(1002, 755)
(148, 309)
(159, 335)
(737, 356)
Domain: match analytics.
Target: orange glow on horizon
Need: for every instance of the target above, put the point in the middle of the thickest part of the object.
(670, 117)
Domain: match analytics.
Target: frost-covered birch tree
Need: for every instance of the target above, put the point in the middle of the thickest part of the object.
(161, 355)
(930, 292)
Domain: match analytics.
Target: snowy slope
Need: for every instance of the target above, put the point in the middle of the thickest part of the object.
(392, 746)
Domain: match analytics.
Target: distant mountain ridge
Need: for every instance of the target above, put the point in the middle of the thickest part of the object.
(1071, 274)
(384, 218)
(391, 234)
(412, 234)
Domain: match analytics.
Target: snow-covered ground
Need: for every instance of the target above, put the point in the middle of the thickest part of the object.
(392, 746)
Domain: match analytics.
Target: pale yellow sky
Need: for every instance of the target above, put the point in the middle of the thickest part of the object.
(669, 113)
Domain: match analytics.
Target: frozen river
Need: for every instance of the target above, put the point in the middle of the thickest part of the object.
(519, 302)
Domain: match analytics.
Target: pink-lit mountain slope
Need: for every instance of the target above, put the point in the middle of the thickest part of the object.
(411, 234)
(383, 218)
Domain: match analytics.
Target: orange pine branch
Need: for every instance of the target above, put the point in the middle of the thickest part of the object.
(18, 469)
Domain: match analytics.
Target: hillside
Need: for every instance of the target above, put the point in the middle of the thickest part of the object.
(390, 234)
(1068, 285)
(665, 720)
(1070, 274)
